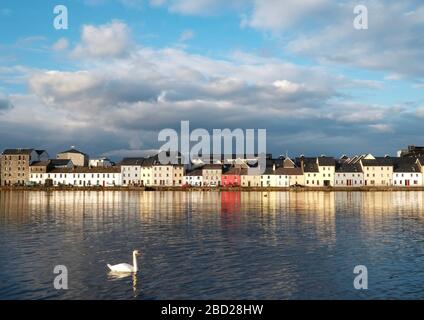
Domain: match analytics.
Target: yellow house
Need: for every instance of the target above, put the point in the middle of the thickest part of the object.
(378, 172)
(250, 180)
(319, 172)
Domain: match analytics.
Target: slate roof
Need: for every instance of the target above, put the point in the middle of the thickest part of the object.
(17, 151)
(377, 162)
(132, 161)
(348, 168)
(194, 173)
(72, 151)
(236, 171)
(289, 171)
(326, 161)
(405, 165)
(212, 167)
(116, 169)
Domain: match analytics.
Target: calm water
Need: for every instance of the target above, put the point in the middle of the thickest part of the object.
(197, 245)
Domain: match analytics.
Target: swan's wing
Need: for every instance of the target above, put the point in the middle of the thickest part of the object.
(122, 267)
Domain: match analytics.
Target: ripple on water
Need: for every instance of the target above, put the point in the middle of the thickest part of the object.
(212, 245)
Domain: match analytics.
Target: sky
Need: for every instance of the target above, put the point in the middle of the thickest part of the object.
(125, 69)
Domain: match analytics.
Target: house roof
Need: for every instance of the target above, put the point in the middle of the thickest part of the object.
(17, 151)
(194, 173)
(289, 171)
(326, 161)
(116, 169)
(310, 165)
(236, 171)
(41, 164)
(377, 162)
(60, 162)
(348, 168)
(269, 171)
(212, 167)
(132, 161)
(405, 165)
(72, 151)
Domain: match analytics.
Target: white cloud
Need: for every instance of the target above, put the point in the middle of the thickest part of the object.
(110, 40)
(276, 15)
(391, 44)
(61, 44)
(186, 35)
(381, 127)
(287, 86)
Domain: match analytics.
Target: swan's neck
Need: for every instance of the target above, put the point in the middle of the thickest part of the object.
(135, 263)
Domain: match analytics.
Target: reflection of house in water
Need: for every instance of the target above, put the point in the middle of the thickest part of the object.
(230, 202)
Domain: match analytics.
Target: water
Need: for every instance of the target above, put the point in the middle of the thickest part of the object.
(229, 245)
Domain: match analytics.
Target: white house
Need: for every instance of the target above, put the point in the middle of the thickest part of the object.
(407, 173)
(82, 177)
(193, 178)
(131, 171)
(100, 162)
(349, 175)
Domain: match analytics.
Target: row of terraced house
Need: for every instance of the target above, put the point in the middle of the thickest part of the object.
(19, 167)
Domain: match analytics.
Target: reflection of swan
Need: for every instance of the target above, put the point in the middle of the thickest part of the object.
(116, 276)
(125, 267)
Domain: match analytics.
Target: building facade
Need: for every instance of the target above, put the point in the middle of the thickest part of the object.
(79, 159)
(378, 172)
(80, 177)
(212, 174)
(15, 165)
(193, 178)
(349, 175)
(407, 173)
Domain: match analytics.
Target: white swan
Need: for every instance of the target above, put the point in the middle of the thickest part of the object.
(125, 267)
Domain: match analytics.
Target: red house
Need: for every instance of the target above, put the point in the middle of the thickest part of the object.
(231, 177)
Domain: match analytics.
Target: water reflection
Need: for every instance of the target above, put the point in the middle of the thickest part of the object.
(250, 245)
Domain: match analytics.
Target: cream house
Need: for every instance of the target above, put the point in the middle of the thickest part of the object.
(294, 176)
(131, 171)
(294, 173)
(79, 159)
(146, 172)
(212, 174)
(378, 172)
(247, 180)
(319, 172)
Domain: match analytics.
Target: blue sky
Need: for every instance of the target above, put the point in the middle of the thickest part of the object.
(125, 69)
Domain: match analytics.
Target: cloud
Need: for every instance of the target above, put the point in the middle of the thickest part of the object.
(287, 86)
(134, 98)
(200, 7)
(114, 105)
(392, 43)
(61, 44)
(186, 35)
(276, 15)
(110, 40)
(5, 103)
